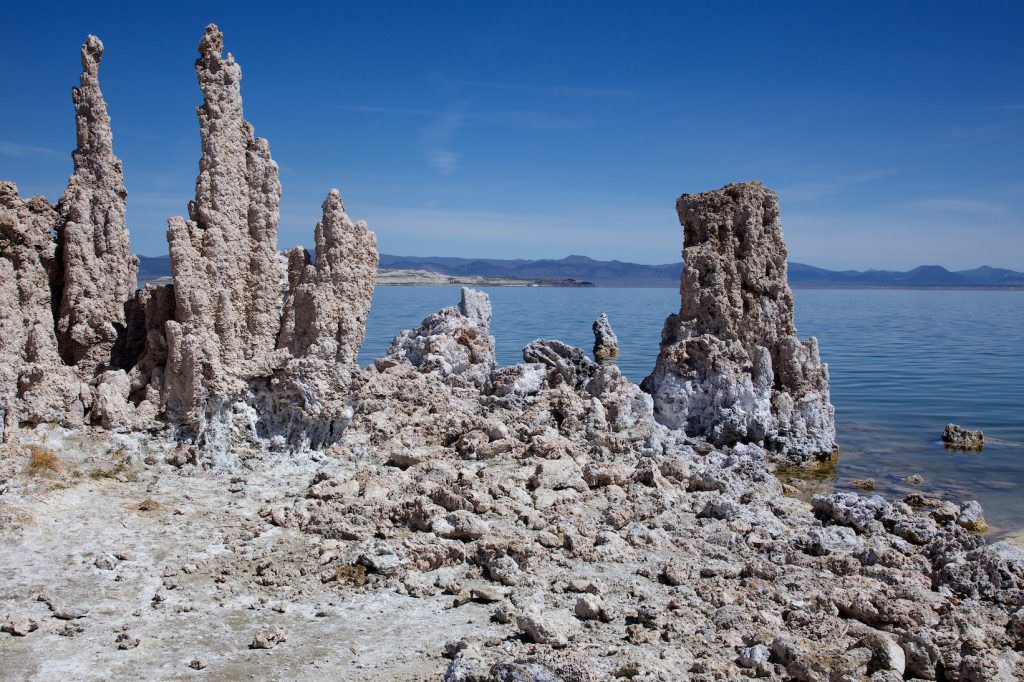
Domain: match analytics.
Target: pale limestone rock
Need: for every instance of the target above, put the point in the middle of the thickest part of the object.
(454, 341)
(110, 406)
(35, 386)
(731, 367)
(223, 261)
(328, 303)
(262, 346)
(309, 401)
(566, 364)
(606, 344)
(96, 275)
(144, 351)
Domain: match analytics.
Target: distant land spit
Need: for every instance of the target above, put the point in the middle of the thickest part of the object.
(581, 270)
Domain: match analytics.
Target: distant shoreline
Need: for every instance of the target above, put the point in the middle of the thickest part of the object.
(557, 284)
(576, 271)
(405, 278)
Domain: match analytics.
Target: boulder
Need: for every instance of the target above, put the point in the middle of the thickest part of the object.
(959, 438)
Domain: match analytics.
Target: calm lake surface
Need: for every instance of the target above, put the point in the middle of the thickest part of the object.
(903, 363)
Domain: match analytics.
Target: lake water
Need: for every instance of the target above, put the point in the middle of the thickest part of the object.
(903, 363)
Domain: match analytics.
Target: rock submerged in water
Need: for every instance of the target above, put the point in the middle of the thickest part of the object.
(731, 368)
(959, 438)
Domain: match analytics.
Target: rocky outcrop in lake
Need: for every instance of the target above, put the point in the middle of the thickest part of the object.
(454, 341)
(958, 438)
(731, 368)
(606, 343)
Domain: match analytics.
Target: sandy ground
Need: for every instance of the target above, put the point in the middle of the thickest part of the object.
(181, 576)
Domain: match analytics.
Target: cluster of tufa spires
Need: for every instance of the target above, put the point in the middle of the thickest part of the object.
(218, 354)
(252, 346)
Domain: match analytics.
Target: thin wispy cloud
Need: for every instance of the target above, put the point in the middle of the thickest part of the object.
(25, 151)
(515, 118)
(438, 138)
(958, 136)
(400, 111)
(565, 90)
(490, 233)
(954, 205)
(812, 191)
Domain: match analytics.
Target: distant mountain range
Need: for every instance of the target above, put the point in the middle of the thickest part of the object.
(616, 273)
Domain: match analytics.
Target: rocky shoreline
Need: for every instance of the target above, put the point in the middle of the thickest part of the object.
(198, 479)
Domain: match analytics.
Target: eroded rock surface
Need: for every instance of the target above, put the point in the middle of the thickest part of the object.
(239, 362)
(583, 525)
(731, 367)
(96, 268)
(35, 386)
(69, 272)
(309, 401)
(957, 437)
(224, 261)
(539, 521)
(606, 343)
(454, 341)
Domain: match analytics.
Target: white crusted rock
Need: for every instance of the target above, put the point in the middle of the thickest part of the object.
(731, 367)
(261, 347)
(309, 401)
(455, 341)
(110, 406)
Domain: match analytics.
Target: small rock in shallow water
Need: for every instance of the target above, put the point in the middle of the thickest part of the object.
(958, 437)
(914, 479)
(606, 344)
(971, 517)
(863, 483)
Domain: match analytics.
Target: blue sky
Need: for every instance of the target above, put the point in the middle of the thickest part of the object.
(893, 132)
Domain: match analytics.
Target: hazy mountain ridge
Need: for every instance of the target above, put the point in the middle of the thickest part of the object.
(620, 273)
